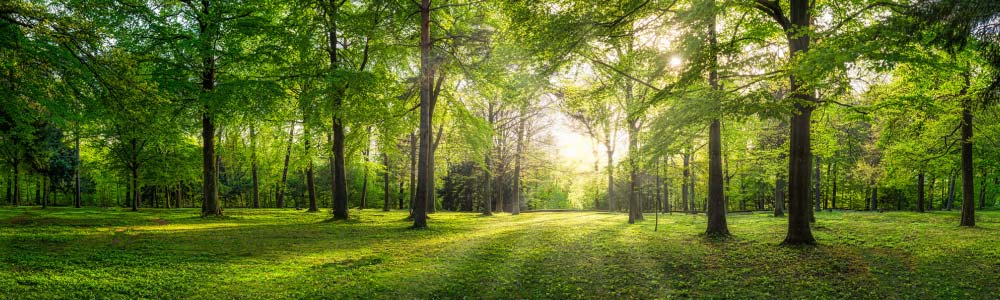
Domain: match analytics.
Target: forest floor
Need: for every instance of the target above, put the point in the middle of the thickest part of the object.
(65, 253)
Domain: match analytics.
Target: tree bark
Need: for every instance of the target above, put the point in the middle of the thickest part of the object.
(779, 197)
(253, 170)
(364, 170)
(385, 181)
(611, 177)
(982, 193)
(516, 209)
(716, 207)
(819, 186)
(833, 192)
(874, 197)
(76, 172)
(413, 171)
(686, 158)
(135, 189)
(951, 193)
(425, 173)
(920, 192)
(206, 29)
(634, 209)
(800, 156)
(280, 193)
(45, 197)
(716, 201)
(968, 188)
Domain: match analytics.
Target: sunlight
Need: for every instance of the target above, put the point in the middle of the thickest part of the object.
(676, 61)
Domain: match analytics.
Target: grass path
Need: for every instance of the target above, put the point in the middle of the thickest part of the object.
(63, 253)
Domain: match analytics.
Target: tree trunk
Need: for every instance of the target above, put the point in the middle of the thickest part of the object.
(488, 185)
(413, 171)
(364, 169)
(686, 158)
(920, 192)
(399, 195)
(253, 170)
(930, 194)
(211, 205)
(135, 189)
(45, 197)
(425, 173)
(516, 209)
(311, 181)
(634, 210)
(982, 193)
(716, 201)
(833, 193)
(819, 186)
(874, 197)
(385, 181)
(779, 197)
(716, 206)
(76, 172)
(968, 189)
(799, 160)
(611, 177)
(280, 192)
(339, 173)
(951, 193)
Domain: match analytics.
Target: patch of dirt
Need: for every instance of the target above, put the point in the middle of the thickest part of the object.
(161, 221)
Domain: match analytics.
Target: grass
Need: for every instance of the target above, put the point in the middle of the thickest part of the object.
(64, 253)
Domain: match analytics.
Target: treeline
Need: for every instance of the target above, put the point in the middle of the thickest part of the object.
(700, 105)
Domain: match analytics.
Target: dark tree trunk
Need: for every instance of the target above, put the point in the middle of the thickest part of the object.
(425, 173)
(76, 173)
(385, 182)
(982, 193)
(280, 192)
(253, 170)
(920, 192)
(211, 205)
(833, 192)
(658, 186)
(135, 189)
(634, 209)
(716, 206)
(686, 158)
(488, 185)
(819, 185)
(611, 177)
(874, 197)
(930, 194)
(799, 162)
(413, 171)
(968, 189)
(716, 201)
(516, 209)
(364, 170)
(45, 197)
(311, 180)
(951, 193)
(401, 193)
(10, 190)
(339, 173)
(17, 185)
(779, 197)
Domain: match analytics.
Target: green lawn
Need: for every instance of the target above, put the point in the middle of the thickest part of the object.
(273, 254)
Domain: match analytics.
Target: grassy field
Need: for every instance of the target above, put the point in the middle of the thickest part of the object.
(66, 253)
